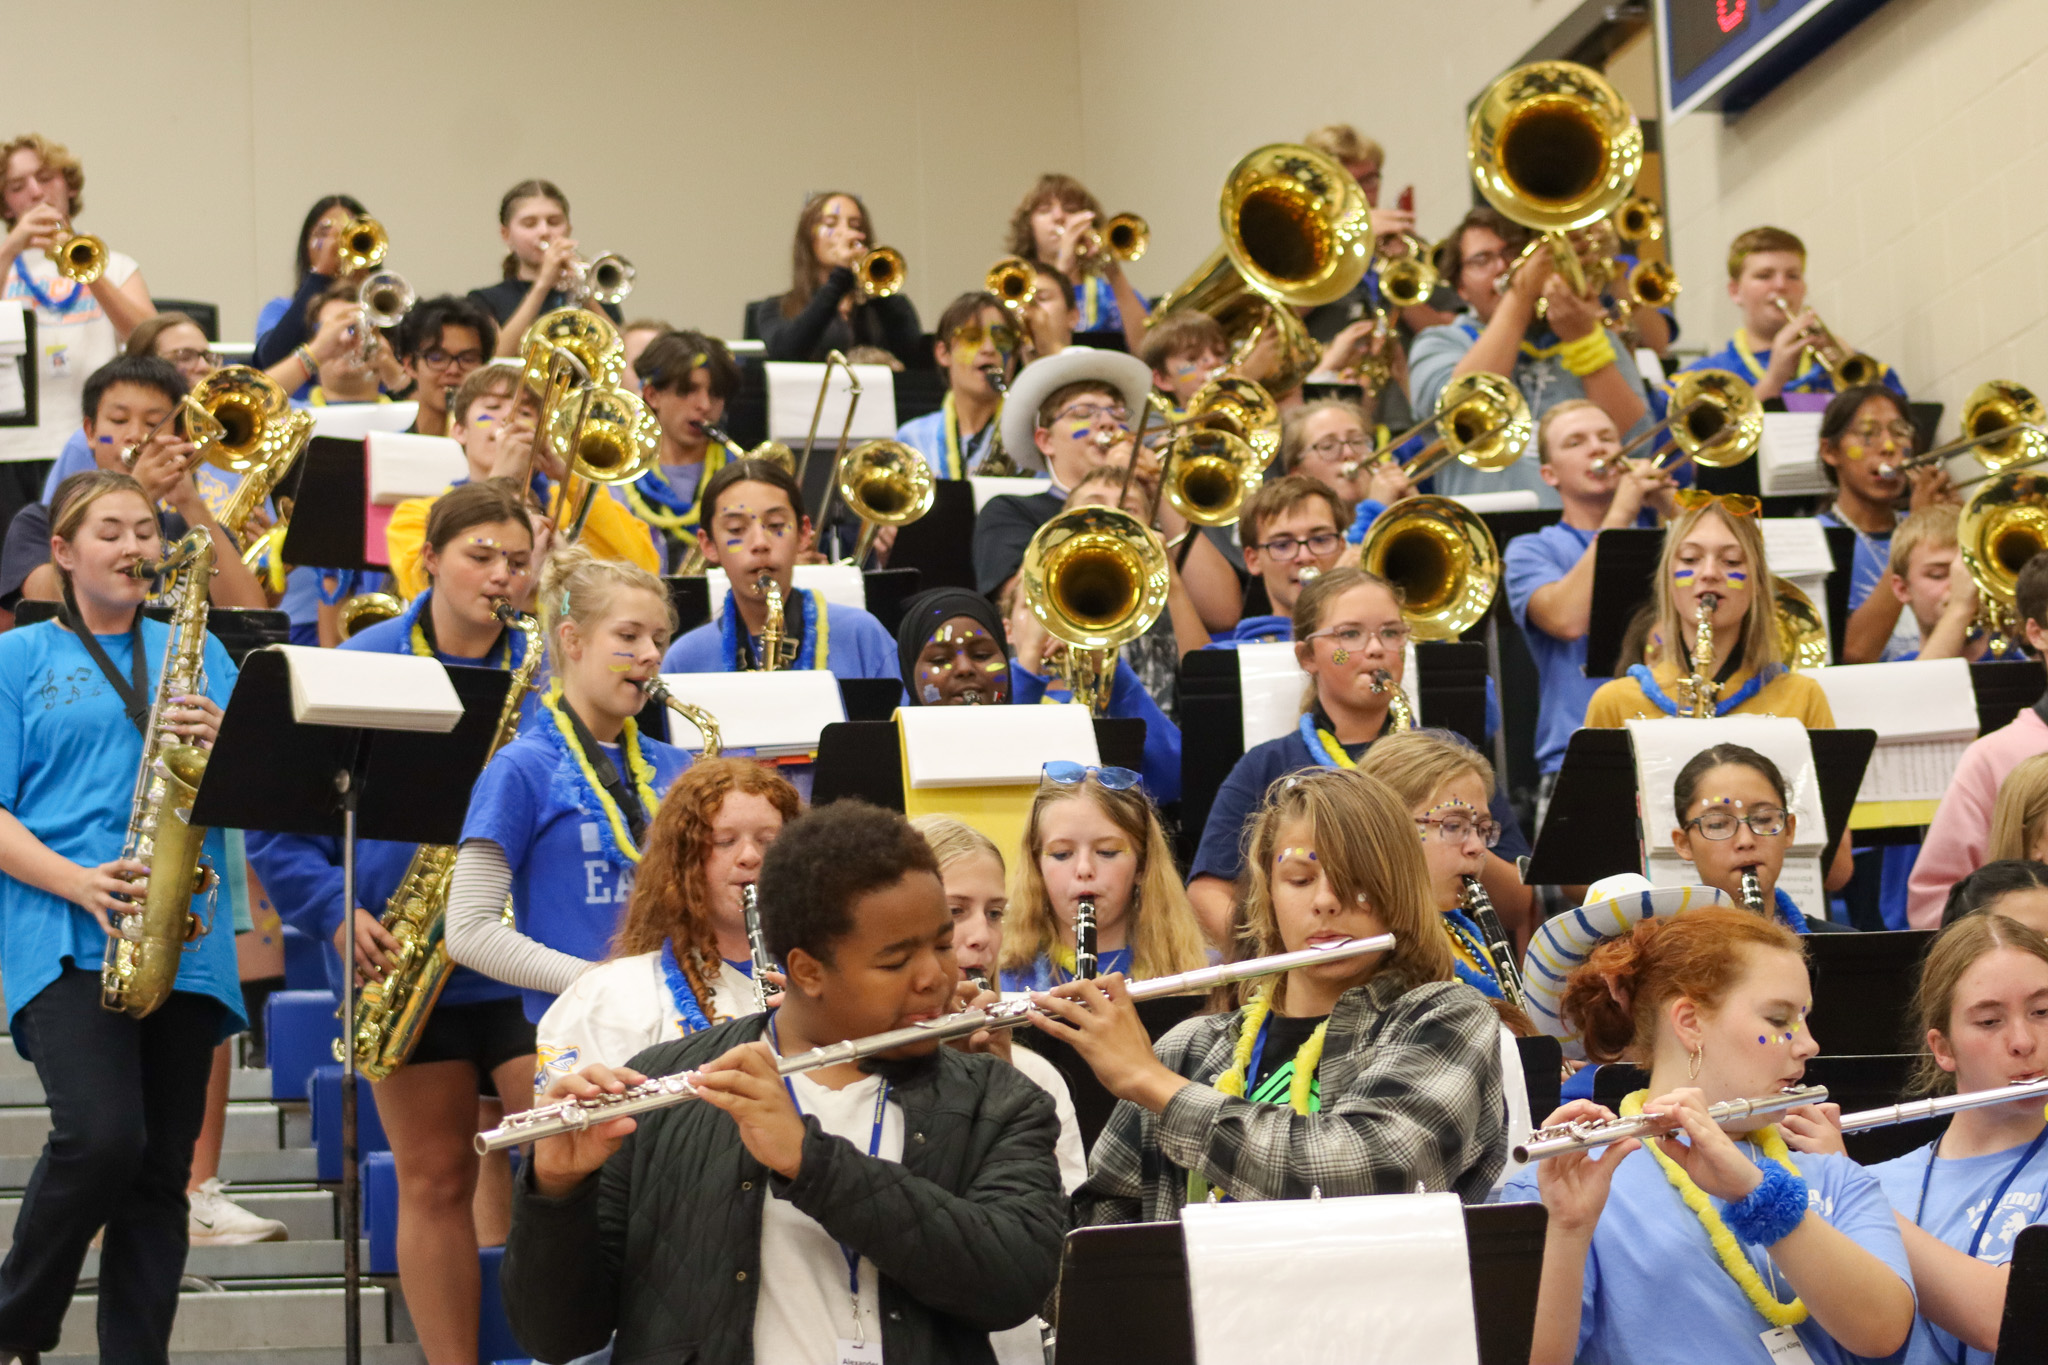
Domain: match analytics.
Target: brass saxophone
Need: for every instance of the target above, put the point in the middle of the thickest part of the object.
(141, 961)
(706, 724)
(391, 1012)
(777, 650)
(1400, 716)
(1701, 685)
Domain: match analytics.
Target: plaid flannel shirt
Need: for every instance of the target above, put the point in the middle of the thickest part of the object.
(1410, 1082)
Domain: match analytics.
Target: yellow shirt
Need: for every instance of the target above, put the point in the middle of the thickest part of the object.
(1788, 694)
(612, 532)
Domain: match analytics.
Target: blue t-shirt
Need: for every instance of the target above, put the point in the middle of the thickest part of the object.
(1221, 853)
(1128, 700)
(530, 802)
(1869, 567)
(302, 872)
(75, 458)
(1255, 630)
(1956, 1199)
(1655, 1292)
(856, 645)
(1738, 358)
(68, 760)
(927, 436)
(1043, 974)
(1534, 561)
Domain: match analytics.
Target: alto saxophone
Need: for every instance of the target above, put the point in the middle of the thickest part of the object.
(141, 961)
(777, 650)
(1701, 685)
(1400, 715)
(705, 723)
(391, 1012)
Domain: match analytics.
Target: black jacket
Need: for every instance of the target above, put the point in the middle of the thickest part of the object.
(890, 323)
(1003, 530)
(663, 1245)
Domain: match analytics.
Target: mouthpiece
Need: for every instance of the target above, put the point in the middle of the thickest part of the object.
(1710, 601)
(996, 380)
(501, 608)
(1382, 681)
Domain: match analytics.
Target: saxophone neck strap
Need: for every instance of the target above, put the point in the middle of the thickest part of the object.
(607, 773)
(133, 690)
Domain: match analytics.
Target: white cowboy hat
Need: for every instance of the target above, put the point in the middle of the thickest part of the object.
(1041, 378)
(1614, 906)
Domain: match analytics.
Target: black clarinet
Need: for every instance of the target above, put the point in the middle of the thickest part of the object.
(1479, 908)
(1752, 891)
(1085, 967)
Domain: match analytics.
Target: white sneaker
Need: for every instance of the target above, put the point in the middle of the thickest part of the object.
(218, 1221)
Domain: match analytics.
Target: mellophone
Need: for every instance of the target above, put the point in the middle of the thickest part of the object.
(1583, 1135)
(659, 1092)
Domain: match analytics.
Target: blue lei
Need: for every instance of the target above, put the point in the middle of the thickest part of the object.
(1788, 910)
(1722, 706)
(1460, 927)
(78, 297)
(680, 992)
(729, 633)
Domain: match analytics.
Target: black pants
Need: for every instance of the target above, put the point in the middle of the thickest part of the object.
(126, 1098)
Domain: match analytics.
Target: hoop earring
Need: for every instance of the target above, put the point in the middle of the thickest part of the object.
(1692, 1070)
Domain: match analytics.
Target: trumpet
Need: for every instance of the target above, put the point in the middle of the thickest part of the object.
(80, 258)
(608, 279)
(774, 452)
(1639, 220)
(1408, 280)
(1941, 1105)
(1085, 965)
(2002, 421)
(1583, 1135)
(384, 299)
(757, 946)
(1123, 238)
(363, 243)
(880, 272)
(662, 1092)
(1848, 369)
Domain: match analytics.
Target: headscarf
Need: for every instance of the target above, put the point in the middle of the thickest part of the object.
(925, 613)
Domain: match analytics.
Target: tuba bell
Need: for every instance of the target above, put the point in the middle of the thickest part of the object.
(884, 483)
(81, 257)
(2004, 524)
(1443, 559)
(1096, 578)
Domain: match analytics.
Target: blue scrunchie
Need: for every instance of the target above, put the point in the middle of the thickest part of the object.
(1772, 1210)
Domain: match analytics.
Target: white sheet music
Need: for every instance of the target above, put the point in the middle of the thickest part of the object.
(1911, 770)
(1788, 461)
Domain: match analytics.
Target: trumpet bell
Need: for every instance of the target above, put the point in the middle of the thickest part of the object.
(1442, 558)
(1653, 284)
(886, 483)
(364, 244)
(1126, 236)
(614, 439)
(1553, 146)
(2000, 404)
(880, 272)
(1095, 577)
(1407, 281)
(1639, 220)
(1013, 281)
(1722, 422)
(245, 406)
(609, 279)
(386, 299)
(1802, 635)
(1241, 408)
(587, 338)
(80, 258)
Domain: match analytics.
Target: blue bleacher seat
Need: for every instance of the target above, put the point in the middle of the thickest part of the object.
(370, 1137)
(304, 969)
(301, 1029)
(494, 1339)
(380, 1213)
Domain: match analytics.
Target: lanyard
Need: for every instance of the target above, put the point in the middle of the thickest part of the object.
(131, 689)
(874, 1149)
(1977, 1238)
(1655, 695)
(426, 646)
(77, 298)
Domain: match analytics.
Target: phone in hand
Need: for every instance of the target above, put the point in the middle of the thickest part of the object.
(1407, 199)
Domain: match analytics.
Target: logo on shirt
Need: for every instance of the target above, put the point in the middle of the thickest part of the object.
(553, 1062)
(82, 683)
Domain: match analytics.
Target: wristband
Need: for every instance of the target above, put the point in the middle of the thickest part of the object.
(1772, 1210)
(304, 355)
(1589, 353)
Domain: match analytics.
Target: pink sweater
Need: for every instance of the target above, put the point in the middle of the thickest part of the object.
(1955, 842)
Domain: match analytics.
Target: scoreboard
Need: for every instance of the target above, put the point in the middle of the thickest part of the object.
(1727, 54)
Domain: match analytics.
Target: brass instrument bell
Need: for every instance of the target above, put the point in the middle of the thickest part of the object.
(80, 258)
(2003, 525)
(1096, 578)
(364, 244)
(885, 483)
(1126, 236)
(1802, 635)
(880, 272)
(1407, 281)
(366, 609)
(1443, 559)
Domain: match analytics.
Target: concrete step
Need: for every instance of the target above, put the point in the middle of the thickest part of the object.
(257, 1261)
(12, 1064)
(309, 1214)
(288, 1166)
(244, 1083)
(253, 1126)
(277, 1315)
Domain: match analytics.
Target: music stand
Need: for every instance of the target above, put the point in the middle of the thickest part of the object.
(2023, 1334)
(940, 544)
(1842, 551)
(885, 591)
(2004, 689)
(1624, 576)
(863, 759)
(328, 513)
(342, 782)
(31, 378)
(1123, 1293)
(1591, 830)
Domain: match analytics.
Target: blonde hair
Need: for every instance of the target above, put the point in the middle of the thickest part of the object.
(1670, 641)
(1163, 933)
(2021, 811)
(952, 840)
(1345, 143)
(1934, 525)
(55, 156)
(1417, 764)
(1365, 844)
(1550, 416)
(1294, 427)
(575, 585)
(1953, 953)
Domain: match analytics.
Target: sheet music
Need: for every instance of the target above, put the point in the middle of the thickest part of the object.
(13, 346)
(1800, 877)
(1911, 770)
(1788, 460)
(1796, 547)
(1916, 699)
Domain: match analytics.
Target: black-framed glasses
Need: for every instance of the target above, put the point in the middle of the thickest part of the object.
(1066, 773)
(1394, 637)
(441, 360)
(1285, 548)
(1720, 823)
(1454, 829)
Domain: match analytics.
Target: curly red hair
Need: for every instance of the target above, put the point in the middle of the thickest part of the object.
(1614, 997)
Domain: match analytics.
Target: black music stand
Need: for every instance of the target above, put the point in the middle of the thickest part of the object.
(1624, 576)
(1842, 551)
(2004, 689)
(2023, 1334)
(1592, 830)
(342, 782)
(940, 544)
(863, 759)
(31, 377)
(1123, 1295)
(330, 512)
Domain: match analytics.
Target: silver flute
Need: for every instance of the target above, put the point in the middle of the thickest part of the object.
(1752, 891)
(750, 906)
(1479, 906)
(659, 1092)
(1085, 964)
(1914, 1110)
(1585, 1134)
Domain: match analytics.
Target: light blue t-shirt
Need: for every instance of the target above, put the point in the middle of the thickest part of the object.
(927, 436)
(1655, 1292)
(68, 759)
(1532, 562)
(1957, 1194)
(530, 802)
(856, 645)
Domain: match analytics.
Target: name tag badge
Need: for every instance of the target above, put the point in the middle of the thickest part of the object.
(859, 1352)
(1784, 1347)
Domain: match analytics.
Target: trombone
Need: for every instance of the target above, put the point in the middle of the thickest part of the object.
(884, 483)
(2003, 421)
(2004, 524)
(1848, 369)
(880, 272)
(1096, 579)
(229, 416)
(1443, 559)
(567, 349)
(1713, 419)
(1481, 419)
(604, 434)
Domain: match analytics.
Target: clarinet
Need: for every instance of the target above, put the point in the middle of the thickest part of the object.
(1479, 908)
(757, 947)
(1085, 966)
(1752, 891)
(660, 1092)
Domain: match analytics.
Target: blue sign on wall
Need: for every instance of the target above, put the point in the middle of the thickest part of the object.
(1727, 54)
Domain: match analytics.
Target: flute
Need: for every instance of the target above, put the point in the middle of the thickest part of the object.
(1914, 1110)
(1583, 1134)
(1085, 966)
(757, 947)
(659, 1092)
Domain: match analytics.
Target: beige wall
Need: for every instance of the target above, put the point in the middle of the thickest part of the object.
(1906, 155)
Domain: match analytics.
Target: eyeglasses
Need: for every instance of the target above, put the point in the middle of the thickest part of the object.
(189, 356)
(1734, 504)
(1356, 444)
(1284, 548)
(1394, 637)
(1088, 412)
(441, 360)
(1455, 829)
(1871, 432)
(1066, 773)
(1720, 824)
(1486, 260)
(969, 336)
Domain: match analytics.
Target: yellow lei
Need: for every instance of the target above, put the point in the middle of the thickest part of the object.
(1772, 1144)
(1232, 1082)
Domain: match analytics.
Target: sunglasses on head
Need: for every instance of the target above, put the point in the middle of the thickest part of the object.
(1070, 774)
(1734, 504)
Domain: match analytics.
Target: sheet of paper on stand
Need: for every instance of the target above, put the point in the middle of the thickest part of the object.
(405, 464)
(13, 346)
(1516, 500)
(839, 583)
(1925, 715)
(354, 421)
(1788, 459)
(793, 397)
(983, 746)
(1797, 550)
(776, 715)
(1379, 1279)
(347, 687)
(1270, 683)
(986, 488)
